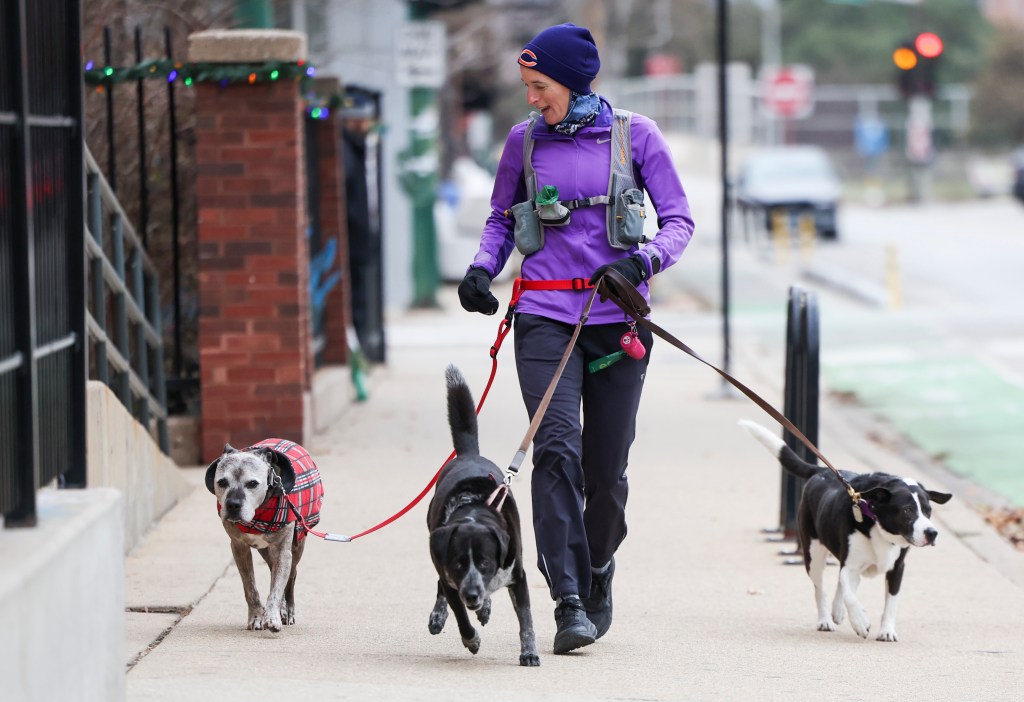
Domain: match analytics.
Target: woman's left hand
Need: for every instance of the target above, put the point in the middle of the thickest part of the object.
(632, 269)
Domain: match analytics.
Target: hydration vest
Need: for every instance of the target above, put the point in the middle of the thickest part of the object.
(624, 201)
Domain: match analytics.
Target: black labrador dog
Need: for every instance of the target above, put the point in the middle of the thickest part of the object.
(475, 537)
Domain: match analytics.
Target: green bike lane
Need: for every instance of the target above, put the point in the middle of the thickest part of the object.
(958, 409)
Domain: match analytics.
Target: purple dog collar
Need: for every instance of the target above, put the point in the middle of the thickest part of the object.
(865, 508)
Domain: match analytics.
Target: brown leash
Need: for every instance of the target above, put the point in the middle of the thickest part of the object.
(613, 286)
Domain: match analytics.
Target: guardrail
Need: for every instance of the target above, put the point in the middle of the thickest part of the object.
(123, 314)
(803, 341)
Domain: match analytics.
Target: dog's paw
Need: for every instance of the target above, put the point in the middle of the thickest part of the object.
(287, 615)
(838, 612)
(530, 660)
(272, 621)
(473, 643)
(859, 622)
(255, 620)
(887, 635)
(483, 614)
(438, 617)
(826, 625)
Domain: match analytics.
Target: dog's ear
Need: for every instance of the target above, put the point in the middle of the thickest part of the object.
(211, 471)
(506, 557)
(280, 464)
(228, 448)
(440, 539)
(940, 498)
(877, 495)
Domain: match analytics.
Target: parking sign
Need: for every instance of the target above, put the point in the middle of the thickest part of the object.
(420, 49)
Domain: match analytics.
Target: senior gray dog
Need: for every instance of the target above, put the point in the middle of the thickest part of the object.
(268, 495)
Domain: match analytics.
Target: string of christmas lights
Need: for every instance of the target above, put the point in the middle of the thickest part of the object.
(317, 106)
(189, 73)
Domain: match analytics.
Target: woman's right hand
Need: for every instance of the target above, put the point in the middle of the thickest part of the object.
(475, 292)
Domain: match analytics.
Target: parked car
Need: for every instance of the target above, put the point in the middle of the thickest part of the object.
(797, 178)
(1018, 174)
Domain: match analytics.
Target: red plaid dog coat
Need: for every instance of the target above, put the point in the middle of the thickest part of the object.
(306, 495)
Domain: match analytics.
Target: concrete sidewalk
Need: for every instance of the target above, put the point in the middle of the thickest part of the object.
(704, 607)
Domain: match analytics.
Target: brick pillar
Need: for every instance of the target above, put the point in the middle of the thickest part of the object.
(338, 313)
(254, 344)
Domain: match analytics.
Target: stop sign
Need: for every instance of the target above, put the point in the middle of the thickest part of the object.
(788, 91)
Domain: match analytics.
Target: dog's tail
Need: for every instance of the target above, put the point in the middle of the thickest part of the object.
(787, 457)
(461, 414)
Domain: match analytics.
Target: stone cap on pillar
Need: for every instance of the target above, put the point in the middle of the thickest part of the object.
(246, 46)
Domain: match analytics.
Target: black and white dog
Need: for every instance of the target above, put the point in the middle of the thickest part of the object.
(896, 518)
(475, 537)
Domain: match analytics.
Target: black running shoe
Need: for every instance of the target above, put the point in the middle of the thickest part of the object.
(599, 603)
(574, 630)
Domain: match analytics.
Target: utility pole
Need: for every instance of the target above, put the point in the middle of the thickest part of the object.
(253, 14)
(422, 47)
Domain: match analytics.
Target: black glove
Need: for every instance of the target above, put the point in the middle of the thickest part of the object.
(475, 292)
(632, 269)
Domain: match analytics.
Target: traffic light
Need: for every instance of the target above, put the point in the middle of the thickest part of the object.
(915, 61)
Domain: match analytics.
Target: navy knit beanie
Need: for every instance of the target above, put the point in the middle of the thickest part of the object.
(565, 53)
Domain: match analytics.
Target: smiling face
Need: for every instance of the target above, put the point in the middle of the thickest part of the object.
(548, 96)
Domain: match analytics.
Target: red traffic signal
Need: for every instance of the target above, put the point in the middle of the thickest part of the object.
(928, 45)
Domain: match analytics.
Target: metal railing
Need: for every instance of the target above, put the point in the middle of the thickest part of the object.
(123, 320)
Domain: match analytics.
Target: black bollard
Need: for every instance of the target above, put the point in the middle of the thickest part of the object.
(801, 395)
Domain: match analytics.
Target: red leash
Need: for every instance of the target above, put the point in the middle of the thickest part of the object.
(504, 327)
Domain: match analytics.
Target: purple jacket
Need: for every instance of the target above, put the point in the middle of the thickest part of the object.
(578, 167)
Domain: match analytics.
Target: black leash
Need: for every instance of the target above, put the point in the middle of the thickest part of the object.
(614, 286)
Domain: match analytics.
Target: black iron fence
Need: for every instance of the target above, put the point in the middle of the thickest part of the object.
(124, 320)
(42, 276)
(143, 152)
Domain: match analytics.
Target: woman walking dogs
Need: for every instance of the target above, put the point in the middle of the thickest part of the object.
(568, 194)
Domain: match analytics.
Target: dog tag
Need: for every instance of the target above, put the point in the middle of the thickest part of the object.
(857, 514)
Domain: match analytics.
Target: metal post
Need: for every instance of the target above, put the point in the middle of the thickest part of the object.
(421, 186)
(111, 153)
(723, 133)
(99, 286)
(138, 288)
(253, 14)
(175, 215)
(419, 164)
(801, 394)
(74, 174)
(160, 382)
(124, 386)
(140, 107)
(23, 272)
